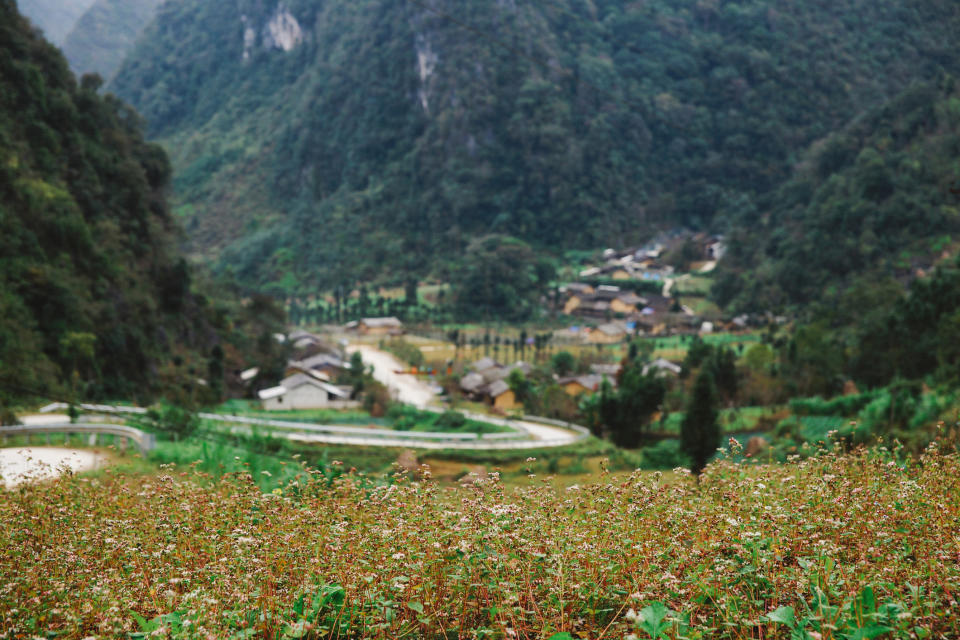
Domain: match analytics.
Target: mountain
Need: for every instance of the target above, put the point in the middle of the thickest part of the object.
(316, 142)
(95, 300)
(106, 32)
(55, 17)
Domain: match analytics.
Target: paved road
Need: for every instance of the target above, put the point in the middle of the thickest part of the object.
(409, 389)
(405, 387)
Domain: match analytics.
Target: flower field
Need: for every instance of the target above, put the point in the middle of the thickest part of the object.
(849, 546)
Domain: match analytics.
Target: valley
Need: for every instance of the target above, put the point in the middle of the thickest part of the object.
(519, 320)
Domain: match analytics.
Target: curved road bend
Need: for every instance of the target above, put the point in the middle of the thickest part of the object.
(407, 388)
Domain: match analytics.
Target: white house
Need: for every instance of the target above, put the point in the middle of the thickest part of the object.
(302, 391)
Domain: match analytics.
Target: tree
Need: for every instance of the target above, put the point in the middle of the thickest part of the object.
(627, 412)
(500, 277)
(563, 363)
(700, 432)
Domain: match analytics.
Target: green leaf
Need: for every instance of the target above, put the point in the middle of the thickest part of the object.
(652, 620)
(783, 615)
(565, 635)
(869, 632)
(416, 606)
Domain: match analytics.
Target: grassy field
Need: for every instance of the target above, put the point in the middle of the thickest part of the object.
(739, 420)
(834, 547)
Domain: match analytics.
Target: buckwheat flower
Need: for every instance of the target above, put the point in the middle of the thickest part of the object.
(398, 556)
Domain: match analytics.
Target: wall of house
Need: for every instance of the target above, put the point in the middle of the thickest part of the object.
(505, 401)
(303, 397)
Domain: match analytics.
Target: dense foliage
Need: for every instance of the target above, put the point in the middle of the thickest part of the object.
(395, 131)
(835, 547)
(94, 299)
(871, 207)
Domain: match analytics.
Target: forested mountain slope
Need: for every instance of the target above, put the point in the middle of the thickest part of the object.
(103, 36)
(94, 299)
(869, 209)
(338, 140)
(55, 17)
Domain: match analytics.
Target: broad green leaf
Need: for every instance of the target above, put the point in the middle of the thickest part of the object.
(565, 635)
(783, 615)
(652, 620)
(416, 606)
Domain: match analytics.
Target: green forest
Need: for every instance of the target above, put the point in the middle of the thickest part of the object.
(95, 299)
(394, 132)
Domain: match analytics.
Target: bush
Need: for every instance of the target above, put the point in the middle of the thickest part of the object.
(665, 454)
(451, 421)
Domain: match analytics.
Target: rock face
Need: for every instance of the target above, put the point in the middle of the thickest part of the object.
(757, 445)
(282, 31)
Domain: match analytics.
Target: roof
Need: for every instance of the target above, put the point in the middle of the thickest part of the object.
(631, 298)
(272, 392)
(319, 360)
(249, 374)
(485, 363)
(471, 382)
(522, 366)
(591, 382)
(612, 329)
(663, 365)
(299, 379)
(605, 369)
(498, 388)
(382, 322)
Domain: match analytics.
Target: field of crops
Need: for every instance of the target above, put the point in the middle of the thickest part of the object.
(838, 546)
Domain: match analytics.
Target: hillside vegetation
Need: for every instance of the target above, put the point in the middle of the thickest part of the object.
(345, 140)
(868, 210)
(834, 547)
(95, 300)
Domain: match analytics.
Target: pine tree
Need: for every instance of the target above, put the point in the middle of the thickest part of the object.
(700, 432)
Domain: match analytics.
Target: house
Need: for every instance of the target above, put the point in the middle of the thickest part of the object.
(578, 288)
(302, 391)
(609, 333)
(484, 364)
(661, 366)
(609, 370)
(577, 385)
(573, 302)
(380, 326)
(302, 339)
(472, 382)
(627, 303)
(502, 396)
(322, 363)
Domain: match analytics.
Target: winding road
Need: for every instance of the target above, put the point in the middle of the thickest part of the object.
(409, 389)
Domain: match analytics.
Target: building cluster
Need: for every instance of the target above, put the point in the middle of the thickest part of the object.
(309, 377)
(487, 380)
